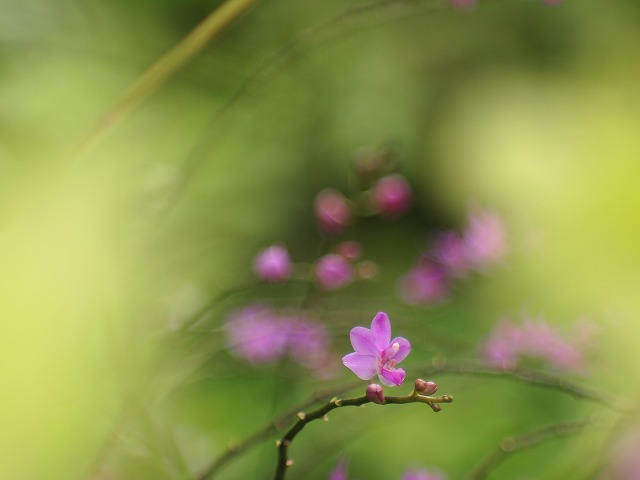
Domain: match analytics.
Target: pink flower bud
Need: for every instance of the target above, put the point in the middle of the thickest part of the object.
(333, 272)
(350, 250)
(425, 388)
(333, 213)
(272, 264)
(375, 393)
(391, 196)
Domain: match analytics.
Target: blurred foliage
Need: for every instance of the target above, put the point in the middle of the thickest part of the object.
(530, 109)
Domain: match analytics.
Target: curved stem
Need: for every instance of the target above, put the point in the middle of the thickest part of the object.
(439, 366)
(532, 439)
(523, 374)
(285, 462)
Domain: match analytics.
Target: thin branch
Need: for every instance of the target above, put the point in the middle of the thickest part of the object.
(273, 427)
(284, 462)
(439, 366)
(532, 439)
(527, 375)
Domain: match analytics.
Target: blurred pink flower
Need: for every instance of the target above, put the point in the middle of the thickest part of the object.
(424, 283)
(333, 212)
(307, 340)
(450, 250)
(485, 238)
(272, 264)
(391, 196)
(375, 352)
(534, 339)
(351, 250)
(256, 334)
(333, 272)
(260, 335)
(423, 474)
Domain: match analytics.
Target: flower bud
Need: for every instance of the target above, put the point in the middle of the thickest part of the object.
(374, 393)
(333, 272)
(272, 264)
(391, 196)
(333, 213)
(350, 250)
(425, 388)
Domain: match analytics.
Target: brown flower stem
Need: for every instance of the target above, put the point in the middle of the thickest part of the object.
(510, 445)
(236, 448)
(284, 462)
(439, 366)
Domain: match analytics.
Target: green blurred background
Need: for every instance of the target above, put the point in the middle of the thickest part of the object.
(530, 109)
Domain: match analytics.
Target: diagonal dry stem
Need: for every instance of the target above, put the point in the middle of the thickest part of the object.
(166, 66)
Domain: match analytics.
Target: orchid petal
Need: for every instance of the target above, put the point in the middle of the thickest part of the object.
(363, 341)
(381, 328)
(403, 351)
(364, 366)
(391, 378)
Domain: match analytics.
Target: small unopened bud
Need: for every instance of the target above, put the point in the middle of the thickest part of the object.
(391, 196)
(333, 272)
(435, 407)
(333, 212)
(425, 388)
(374, 393)
(350, 250)
(273, 264)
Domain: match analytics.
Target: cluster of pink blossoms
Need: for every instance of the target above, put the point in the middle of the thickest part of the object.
(481, 245)
(261, 335)
(387, 195)
(536, 339)
(332, 271)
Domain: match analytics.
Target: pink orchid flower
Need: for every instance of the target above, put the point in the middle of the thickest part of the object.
(375, 352)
